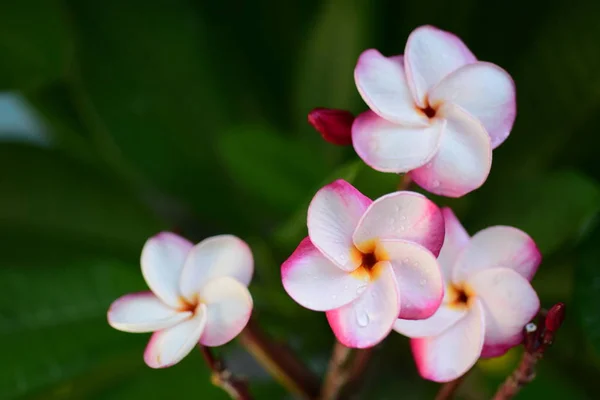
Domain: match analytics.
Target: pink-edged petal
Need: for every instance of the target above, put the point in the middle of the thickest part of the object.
(418, 276)
(143, 312)
(455, 240)
(381, 82)
(452, 353)
(222, 255)
(485, 91)
(464, 159)
(333, 215)
(509, 303)
(443, 319)
(406, 216)
(389, 147)
(430, 55)
(314, 282)
(171, 345)
(228, 308)
(162, 260)
(496, 349)
(368, 319)
(498, 246)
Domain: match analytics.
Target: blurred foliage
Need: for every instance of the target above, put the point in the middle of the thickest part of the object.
(190, 115)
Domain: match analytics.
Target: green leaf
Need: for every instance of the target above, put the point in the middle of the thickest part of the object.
(554, 209)
(50, 197)
(34, 42)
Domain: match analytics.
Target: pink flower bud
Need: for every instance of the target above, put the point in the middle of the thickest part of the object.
(555, 317)
(334, 125)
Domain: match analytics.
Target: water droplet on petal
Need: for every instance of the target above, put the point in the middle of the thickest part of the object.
(531, 327)
(422, 282)
(334, 296)
(402, 227)
(345, 287)
(361, 289)
(403, 218)
(406, 260)
(362, 318)
(435, 183)
(416, 264)
(392, 221)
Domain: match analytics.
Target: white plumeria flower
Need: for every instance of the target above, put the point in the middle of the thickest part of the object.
(198, 295)
(367, 263)
(488, 300)
(436, 111)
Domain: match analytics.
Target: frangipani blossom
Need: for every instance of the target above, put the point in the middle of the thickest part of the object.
(488, 300)
(436, 112)
(366, 263)
(198, 295)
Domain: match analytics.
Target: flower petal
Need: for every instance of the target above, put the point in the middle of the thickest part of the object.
(406, 216)
(455, 240)
(389, 147)
(162, 260)
(143, 312)
(485, 91)
(430, 55)
(452, 353)
(464, 159)
(171, 345)
(509, 303)
(333, 215)
(498, 246)
(222, 255)
(418, 276)
(228, 308)
(314, 282)
(368, 319)
(381, 82)
(443, 319)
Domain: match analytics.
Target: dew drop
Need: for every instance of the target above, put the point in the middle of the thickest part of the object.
(416, 264)
(403, 218)
(362, 318)
(361, 289)
(345, 287)
(422, 282)
(435, 183)
(406, 260)
(428, 166)
(392, 221)
(334, 296)
(402, 227)
(530, 327)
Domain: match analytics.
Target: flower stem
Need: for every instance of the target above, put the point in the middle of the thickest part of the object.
(405, 182)
(345, 369)
(448, 389)
(280, 362)
(539, 335)
(223, 378)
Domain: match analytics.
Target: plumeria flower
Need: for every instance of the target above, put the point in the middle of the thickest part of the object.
(198, 295)
(367, 263)
(488, 300)
(436, 112)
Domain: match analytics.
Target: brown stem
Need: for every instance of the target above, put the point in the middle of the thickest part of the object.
(280, 362)
(448, 389)
(405, 182)
(346, 366)
(521, 376)
(223, 378)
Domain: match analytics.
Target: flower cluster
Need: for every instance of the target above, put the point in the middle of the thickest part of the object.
(394, 263)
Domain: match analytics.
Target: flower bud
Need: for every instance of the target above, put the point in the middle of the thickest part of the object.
(334, 125)
(555, 317)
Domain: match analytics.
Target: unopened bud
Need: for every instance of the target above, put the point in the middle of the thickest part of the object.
(334, 125)
(555, 317)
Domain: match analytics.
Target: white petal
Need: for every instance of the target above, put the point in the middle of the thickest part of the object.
(223, 255)
(455, 240)
(333, 215)
(418, 276)
(162, 260)
(463, 161)
(382, 84)
(143, 312)
(228, 308)
(314, 282)
(498, 246)
(171, 345)
(401, 216)
(368, 319)
(485, 91)
(389, 147)
(452, 353)
(509, 302)
(443, 319)
(430, 55)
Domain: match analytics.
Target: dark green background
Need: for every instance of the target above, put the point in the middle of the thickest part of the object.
(191, 116)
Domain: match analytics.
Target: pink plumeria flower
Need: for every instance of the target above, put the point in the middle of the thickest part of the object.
(487, 303)
(198, 295)
(366, 263)
(436, 111)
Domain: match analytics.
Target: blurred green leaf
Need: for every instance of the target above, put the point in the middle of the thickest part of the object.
(553, 209)
(57, 198)
(34, 42)
(587, 289)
